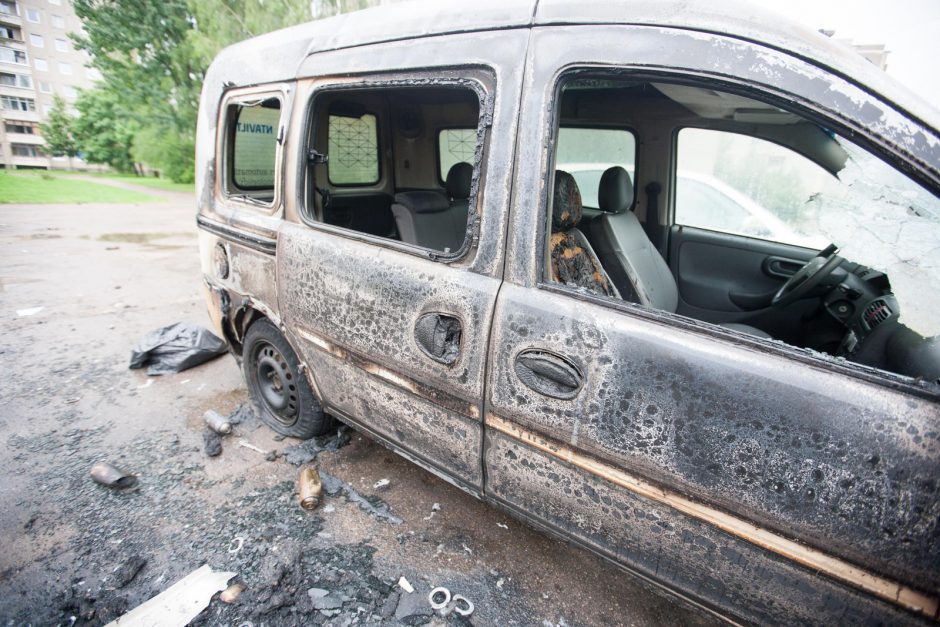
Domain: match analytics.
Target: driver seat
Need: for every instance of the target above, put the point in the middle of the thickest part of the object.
(636, 267)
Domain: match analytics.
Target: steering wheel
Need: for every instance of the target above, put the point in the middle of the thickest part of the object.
(809, 276)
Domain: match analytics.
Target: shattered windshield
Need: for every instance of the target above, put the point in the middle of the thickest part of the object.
(875, 215)
(887, 222)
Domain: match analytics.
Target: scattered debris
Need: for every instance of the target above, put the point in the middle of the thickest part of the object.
(242, 413)
(310, 488)
(236, 545)
(307, 451)
(439, 598)
(502, 526)
(271, 456)
(110, 476)
(30, 311)
(380, 484)
(434, 509)
(126, 572)
(251, 446)
(462, 605)
(230, 594)
(217, 422)
(145, 385)
(213, 442)
(181, 602)
(467, 549)
(372, 505)
(405, 585)
(175, 348)
(500, 582)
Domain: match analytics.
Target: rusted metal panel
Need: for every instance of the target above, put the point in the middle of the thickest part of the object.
(253, 274)
(448, 439)
(353, 308)
(727, 572)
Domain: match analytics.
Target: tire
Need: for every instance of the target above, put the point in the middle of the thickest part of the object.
(279, 390)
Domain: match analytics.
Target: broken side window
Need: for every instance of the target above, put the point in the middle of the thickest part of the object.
(253, 128)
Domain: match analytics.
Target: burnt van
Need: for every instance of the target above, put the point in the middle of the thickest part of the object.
(661, 278)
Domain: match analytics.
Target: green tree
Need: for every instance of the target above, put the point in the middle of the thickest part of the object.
(57, 131)
(153, 57)
(105, 129)
(141, 50)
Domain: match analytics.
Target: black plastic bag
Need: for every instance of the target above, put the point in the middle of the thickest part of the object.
(176, 348)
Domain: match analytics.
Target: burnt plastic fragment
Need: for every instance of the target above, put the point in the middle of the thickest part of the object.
(175, 348)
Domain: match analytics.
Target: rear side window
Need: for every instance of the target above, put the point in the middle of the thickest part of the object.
(586, 152)
(454, 145)
(354, 150)
(253, 134)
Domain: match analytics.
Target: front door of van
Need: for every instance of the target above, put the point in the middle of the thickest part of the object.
(771, 485)
(394, 333)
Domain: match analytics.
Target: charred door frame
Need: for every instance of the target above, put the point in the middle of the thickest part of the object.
(458, 62)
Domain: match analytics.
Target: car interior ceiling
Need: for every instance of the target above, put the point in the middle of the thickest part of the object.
(411, 199)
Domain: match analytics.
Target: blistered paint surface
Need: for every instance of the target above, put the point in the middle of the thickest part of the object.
(659, 542)
(843, 465)
(446, 438)
(363, 302)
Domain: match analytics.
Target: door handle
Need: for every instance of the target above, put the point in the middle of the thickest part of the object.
(781, 267)
(548, 374)
(438, 337)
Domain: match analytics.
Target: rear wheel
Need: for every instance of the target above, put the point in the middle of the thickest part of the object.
(279, 390)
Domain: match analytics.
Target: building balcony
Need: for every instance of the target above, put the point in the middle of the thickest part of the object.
(29, 162)
(21, 92)
(20, 138)
(11, 19)
(23, 116)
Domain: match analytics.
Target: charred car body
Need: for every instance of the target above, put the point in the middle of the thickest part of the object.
(681, 373)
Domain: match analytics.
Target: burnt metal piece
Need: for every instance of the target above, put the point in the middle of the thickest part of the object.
(217, 422)
(112, 477)
(467, 609)
(439, 598)
(438, 336)
(310, 488)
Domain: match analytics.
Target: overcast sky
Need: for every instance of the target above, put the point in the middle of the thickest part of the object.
(910, 29)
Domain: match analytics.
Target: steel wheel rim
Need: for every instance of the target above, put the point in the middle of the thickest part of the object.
(275, 383)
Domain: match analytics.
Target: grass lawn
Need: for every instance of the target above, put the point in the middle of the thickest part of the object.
(33, 188)
(143, 181)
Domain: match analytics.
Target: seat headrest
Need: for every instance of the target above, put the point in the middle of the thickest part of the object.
(566, 202)
(615, 191)
(422, 201)
(458, 181)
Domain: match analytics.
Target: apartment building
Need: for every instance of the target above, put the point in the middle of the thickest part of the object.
(37, 62)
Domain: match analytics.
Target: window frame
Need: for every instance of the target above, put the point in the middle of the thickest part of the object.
(38, 19)
(817, 113)
(481, 80)
(379, 149)
(225, 146)
(16, 51)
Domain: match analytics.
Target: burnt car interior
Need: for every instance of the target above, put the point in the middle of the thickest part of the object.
(395, 162)
(642, 224)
